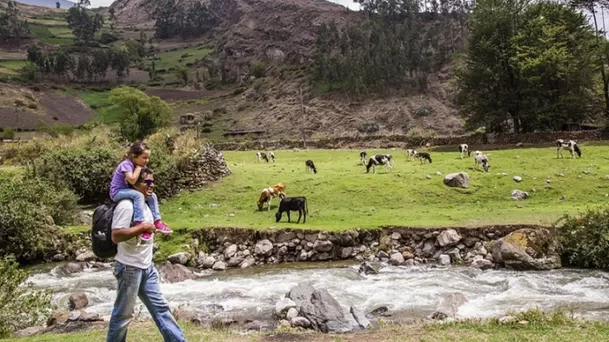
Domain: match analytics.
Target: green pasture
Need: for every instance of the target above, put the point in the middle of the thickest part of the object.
(343, 196)
(172, 59)
(11, 66)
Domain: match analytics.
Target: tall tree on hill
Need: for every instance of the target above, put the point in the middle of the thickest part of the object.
(527, 67)
(83, 25)
(112, 18)
(11, 26)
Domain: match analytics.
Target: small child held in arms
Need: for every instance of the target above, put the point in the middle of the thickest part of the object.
(126, 174)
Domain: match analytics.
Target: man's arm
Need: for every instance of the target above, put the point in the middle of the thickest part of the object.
(124, 234)
(121, 224)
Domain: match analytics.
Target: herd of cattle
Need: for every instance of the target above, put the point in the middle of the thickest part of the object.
(287, 204)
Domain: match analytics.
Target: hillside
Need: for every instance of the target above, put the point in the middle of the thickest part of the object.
(278, 34)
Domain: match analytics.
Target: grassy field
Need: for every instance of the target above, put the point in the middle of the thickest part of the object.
(341, 195)
(172, 59)
(11, 67)
(98, 101)
(549, 328)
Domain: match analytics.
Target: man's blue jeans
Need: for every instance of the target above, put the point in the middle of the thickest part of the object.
(135, 282)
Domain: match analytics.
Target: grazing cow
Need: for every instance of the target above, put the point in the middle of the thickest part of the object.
(272, 155)
(567, 144)
(261, 156)
(362, 156)
(293, 204)
(410, 154)
(422, 156)
(310, 166)
(480, 159)
(379, 159)
(463, 149)
(269, 193)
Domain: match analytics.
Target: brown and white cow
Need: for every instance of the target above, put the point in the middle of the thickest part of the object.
(269, 193)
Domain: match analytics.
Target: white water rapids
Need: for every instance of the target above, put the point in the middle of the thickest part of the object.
(414, 292)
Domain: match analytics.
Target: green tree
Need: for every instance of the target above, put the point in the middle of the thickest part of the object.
(21, 306)
(57, 4)
(82, 67)
(83, 25)
(182, 74)
(11, 25)
(100, 63)
(112, 18)
(120, 61)
(527, 67)
(144, 114)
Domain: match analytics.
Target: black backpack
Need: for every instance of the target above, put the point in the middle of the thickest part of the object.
(101, 231)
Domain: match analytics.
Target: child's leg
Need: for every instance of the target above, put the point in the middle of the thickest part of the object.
(138, 202)
(153, 203)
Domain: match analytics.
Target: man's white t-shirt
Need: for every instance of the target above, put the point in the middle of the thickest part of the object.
(134, 252)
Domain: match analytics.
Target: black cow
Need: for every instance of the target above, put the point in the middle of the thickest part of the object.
(310, 166)
(422, 156)
(293, 204)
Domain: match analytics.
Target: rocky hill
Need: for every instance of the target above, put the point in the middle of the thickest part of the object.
(282, 33)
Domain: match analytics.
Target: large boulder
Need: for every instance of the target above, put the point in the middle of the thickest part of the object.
(320, 308)
(263, 247)
(175, 273)
(527, 249)
(179, 258)
(519, 195)
(78, 301)
(448, 237)
(457, 180)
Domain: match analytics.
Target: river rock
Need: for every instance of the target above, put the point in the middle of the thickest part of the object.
(396, 236)
(71, 268)
(517, 179)
(235, 261)
(175, 273)
(219, 266)
(527, 249)
(381, 311)
(31, 331)
(482, 264)
(208, 262)
(86, 256)
(507, 320)
(58, 257)
(444, 259)
(359, 317)
(292, 312)
(346, 252)
(369, 268)
(300, 322)
(396, 259)
(230, 251)
(89, 317)
(78, 301)
(179, 258)
(263, 248)
(74, 315)
(457, 180)
(428, 248)
(282, 307)
(320, 308)
(248, 262)
(57, 317)
(448, 238)
(322, 246)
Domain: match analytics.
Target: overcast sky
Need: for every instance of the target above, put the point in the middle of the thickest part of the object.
(348, 3)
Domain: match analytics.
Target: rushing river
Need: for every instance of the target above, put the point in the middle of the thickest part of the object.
(413, 292)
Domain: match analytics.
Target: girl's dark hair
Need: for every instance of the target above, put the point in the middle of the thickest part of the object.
(136, 149)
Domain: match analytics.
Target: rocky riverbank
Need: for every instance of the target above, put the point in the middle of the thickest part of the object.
(519, 247)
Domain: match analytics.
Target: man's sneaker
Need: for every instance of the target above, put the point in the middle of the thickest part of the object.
(145, 235)
(161, 227)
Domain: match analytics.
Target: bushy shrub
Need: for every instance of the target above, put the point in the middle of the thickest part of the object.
(423, 111)
(258, 69)
(107, 38)
(165, 169)
(20, 305)
(85, 171)
(584, 240)
(26, 203)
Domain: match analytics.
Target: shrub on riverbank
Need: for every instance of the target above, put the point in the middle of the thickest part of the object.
(20, 305)
(584, 239)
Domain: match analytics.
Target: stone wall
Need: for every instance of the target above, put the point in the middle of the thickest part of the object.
(201, 167)
(219, 248)
(404, 141)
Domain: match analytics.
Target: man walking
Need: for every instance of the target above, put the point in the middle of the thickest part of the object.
(135, 271)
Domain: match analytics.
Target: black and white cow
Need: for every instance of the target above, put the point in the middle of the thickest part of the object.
(423, 156)
(410, 154)
(293, 204)
(463, 150)
(480, 159)
(362, 156)
(569, 145)
(310, 166)
(261, 156)
(379, 159)
(272, 156)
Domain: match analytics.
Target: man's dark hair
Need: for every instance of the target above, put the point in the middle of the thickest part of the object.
(143, 174)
